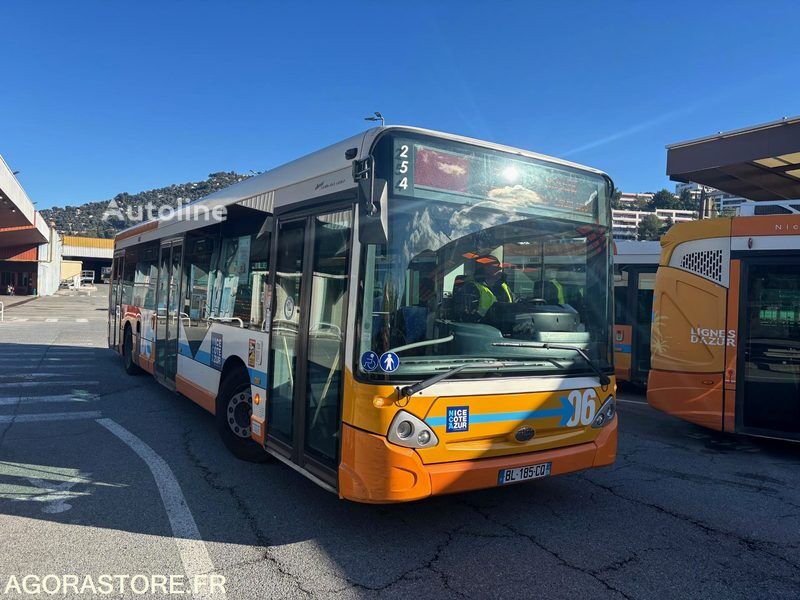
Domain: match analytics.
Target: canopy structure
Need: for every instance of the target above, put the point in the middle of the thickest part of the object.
(758, 163)
(20, 223)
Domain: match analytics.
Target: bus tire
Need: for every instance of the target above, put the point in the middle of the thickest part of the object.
(131, 368)
(234, 406)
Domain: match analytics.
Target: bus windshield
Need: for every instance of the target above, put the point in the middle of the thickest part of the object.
(479, 271)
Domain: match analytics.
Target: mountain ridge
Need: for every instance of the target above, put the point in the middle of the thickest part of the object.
(88, 219)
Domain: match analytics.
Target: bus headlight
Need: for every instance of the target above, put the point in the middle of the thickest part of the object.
(410, 431)
(405, 429)
(606, 413)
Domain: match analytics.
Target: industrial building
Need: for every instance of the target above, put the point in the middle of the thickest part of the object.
(34, 258)
(30, 249)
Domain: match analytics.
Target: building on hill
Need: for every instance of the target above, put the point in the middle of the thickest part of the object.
(717, 202)
(632, 200)
(625, 223)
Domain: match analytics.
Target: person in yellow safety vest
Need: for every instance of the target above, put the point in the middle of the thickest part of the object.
(551, 290)
(490, 283)
(559, 290)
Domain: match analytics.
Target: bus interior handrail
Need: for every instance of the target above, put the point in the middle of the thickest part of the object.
(226, 320)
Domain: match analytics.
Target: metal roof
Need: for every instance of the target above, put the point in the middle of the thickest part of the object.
(760, 162)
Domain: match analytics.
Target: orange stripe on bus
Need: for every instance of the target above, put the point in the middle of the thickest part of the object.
(136, 231)
(195, 393)
(766, 225)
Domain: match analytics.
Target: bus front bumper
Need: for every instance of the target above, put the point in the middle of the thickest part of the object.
(376, 471)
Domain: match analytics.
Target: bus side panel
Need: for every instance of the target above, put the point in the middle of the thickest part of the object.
(198, 382)
(694, 397)
(623, 340)
(729, 415)
(199, 373)
(145, 339)
(689, 339)
(689, 323)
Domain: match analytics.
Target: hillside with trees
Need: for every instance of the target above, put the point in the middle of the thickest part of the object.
(87, 219)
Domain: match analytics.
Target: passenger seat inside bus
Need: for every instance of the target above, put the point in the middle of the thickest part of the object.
(413, 322)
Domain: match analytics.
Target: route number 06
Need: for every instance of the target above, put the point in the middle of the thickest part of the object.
(584, 405)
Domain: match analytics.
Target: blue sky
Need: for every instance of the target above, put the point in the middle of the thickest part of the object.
(106, 97)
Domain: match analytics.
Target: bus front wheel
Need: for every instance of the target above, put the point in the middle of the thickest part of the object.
(233, 410)
(131, 368)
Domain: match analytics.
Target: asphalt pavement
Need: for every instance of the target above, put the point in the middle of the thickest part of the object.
(106, 474)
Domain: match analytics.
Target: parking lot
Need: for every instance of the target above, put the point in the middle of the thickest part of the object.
(101, 473)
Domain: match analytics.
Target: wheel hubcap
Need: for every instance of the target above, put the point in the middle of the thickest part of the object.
(239, 410)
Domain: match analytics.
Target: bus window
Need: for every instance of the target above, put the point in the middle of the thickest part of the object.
(129, 276)
(146, 276)
(249, 303)
(200, 247)
(644, 317)
(447, 276)
(237, 279)
(621, 296)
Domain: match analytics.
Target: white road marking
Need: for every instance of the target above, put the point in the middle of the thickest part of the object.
(31, 375)
(81, 320)
(20, 319)
(33, 357)
(53, 383)
(35, 399)
(630, 401)
(67, 416)
(22, 371)
(51, 320)
(73, 347)
(194, 554)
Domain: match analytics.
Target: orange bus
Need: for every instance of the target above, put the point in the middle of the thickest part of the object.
(403, 314)
(726, 322)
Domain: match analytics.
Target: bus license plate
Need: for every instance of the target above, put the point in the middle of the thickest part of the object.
(523, 473)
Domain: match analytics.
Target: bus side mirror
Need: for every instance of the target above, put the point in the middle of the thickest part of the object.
(373, 222)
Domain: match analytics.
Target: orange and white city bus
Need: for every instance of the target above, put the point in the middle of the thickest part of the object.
(402, 314)
(726, 322)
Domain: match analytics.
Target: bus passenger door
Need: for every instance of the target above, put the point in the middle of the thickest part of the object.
(642, 312)
(307, 341)
(115, 289)
(168, 312)
(768, 381)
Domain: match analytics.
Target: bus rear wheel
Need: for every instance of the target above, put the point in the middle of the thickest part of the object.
(233, 410)
(131, 368)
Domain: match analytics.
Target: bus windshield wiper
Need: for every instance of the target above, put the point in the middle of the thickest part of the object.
(602, 377)
(410, 390)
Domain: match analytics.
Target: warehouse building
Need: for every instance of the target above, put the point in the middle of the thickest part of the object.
(30, 249)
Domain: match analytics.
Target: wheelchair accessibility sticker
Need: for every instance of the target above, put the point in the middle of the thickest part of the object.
(369, 361)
